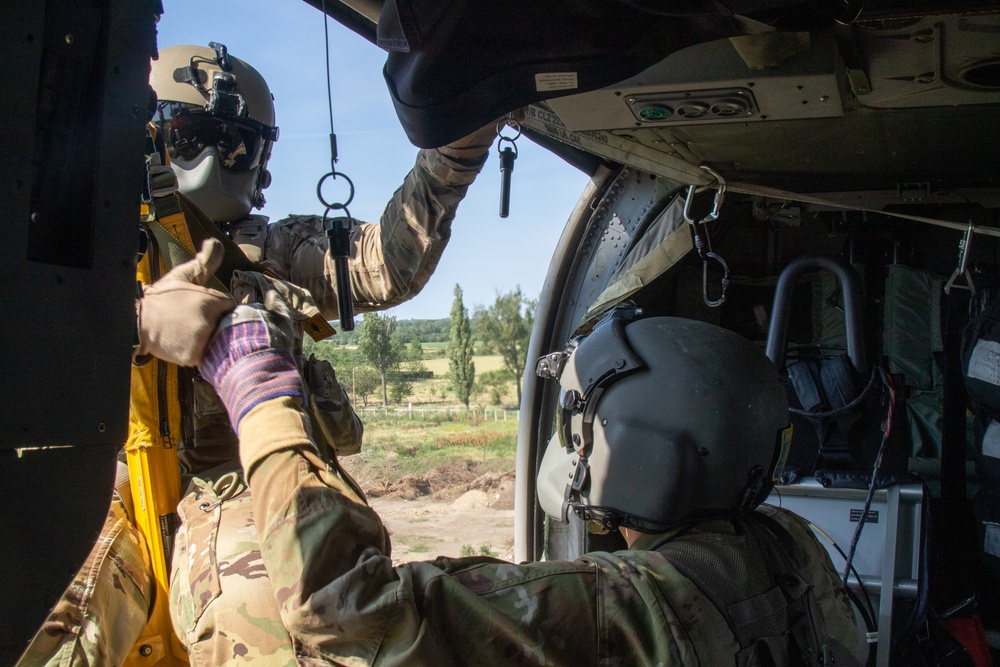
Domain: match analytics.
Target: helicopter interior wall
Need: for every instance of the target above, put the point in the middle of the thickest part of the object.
(757, 241)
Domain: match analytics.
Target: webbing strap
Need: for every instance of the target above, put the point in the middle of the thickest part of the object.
(181, 227)
(777, 193)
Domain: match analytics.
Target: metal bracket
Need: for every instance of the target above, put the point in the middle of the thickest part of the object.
(964, 248)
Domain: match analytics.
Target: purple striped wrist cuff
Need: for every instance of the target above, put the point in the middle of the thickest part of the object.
(245, 370)
(256, 378)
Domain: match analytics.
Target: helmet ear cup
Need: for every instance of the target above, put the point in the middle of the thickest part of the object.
(264, 181)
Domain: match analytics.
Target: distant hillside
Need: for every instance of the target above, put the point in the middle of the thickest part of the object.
(426, 331)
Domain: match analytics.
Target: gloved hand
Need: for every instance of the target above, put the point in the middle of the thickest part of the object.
(177, 314)
(249, 360)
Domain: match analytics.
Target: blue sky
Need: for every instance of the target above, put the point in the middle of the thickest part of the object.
(283, 39)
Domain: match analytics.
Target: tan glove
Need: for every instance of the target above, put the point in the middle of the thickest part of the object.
(177, 314)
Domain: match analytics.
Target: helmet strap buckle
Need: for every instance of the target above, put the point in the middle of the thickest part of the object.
(580, 475)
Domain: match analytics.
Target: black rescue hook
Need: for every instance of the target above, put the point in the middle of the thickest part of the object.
(507, 156)
(338, 233)
(339, 236)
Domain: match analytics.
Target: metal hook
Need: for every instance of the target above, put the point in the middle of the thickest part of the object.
(700, 238)
(720, 197)
(964, 249)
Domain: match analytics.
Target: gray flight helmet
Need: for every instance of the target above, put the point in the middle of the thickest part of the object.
(662, 421)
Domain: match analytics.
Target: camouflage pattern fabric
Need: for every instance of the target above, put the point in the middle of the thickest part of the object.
(343, 602)
(102, 613)
(390, 263)
(221, 599)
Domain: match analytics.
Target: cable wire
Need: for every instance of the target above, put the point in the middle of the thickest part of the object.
(329, 90)
(887, 381)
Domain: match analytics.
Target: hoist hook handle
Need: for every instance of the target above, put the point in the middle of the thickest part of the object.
(339, 236)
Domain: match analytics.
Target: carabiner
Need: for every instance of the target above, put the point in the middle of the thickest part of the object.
(720, 197)
(704, 280)
(699, 234)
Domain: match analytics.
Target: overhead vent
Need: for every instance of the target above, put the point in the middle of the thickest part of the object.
(694, 105)
(982, 74)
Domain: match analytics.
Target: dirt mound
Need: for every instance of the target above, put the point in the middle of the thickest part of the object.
(447, 483)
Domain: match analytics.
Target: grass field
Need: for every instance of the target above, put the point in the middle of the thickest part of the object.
(396, 447)
(436, 392)
(483, 364)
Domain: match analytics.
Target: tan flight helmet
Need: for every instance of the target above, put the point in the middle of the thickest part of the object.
(216, 118)
(662, 421)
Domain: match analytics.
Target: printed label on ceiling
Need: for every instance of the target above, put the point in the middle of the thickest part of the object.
(555, 81)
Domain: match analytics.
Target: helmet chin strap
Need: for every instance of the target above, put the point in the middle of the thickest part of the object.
(223, 197)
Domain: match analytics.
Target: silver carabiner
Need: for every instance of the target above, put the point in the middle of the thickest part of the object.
(704, 280)
(699, 234)
(720, 197)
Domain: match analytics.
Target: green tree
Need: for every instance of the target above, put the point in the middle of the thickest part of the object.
(382, 346)
(364, 381)
(400, 388)
(415, 351)
(461, 368)
(504, 328)
(495, 383)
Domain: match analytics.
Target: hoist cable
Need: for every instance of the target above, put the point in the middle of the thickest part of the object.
(329, 90)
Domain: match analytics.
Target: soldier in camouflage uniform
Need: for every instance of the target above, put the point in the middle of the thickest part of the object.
(668, 432)
(225, 611)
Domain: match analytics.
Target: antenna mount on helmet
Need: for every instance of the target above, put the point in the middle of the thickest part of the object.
(222, 56)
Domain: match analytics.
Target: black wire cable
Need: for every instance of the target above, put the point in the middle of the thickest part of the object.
(867, 615)
(329, 90)
(887, 381)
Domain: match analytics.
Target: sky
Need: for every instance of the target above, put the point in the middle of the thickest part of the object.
(283, 40)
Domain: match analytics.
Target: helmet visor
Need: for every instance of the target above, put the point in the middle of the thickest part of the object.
(187, 131)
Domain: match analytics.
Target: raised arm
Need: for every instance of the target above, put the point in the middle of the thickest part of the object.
(390, 261)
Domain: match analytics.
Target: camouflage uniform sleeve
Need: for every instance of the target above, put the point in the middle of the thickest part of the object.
(101, 615)
(390, 261)
(342, 600)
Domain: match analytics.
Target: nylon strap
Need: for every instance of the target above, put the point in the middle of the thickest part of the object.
(180, 227)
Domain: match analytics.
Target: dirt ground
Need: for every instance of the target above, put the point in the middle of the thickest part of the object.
(454, 508)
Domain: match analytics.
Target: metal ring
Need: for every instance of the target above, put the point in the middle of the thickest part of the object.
(508, 122)
(337, 206)
(513, 145)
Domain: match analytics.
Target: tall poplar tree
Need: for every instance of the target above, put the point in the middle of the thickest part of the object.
(382, 346)
(460, 350)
